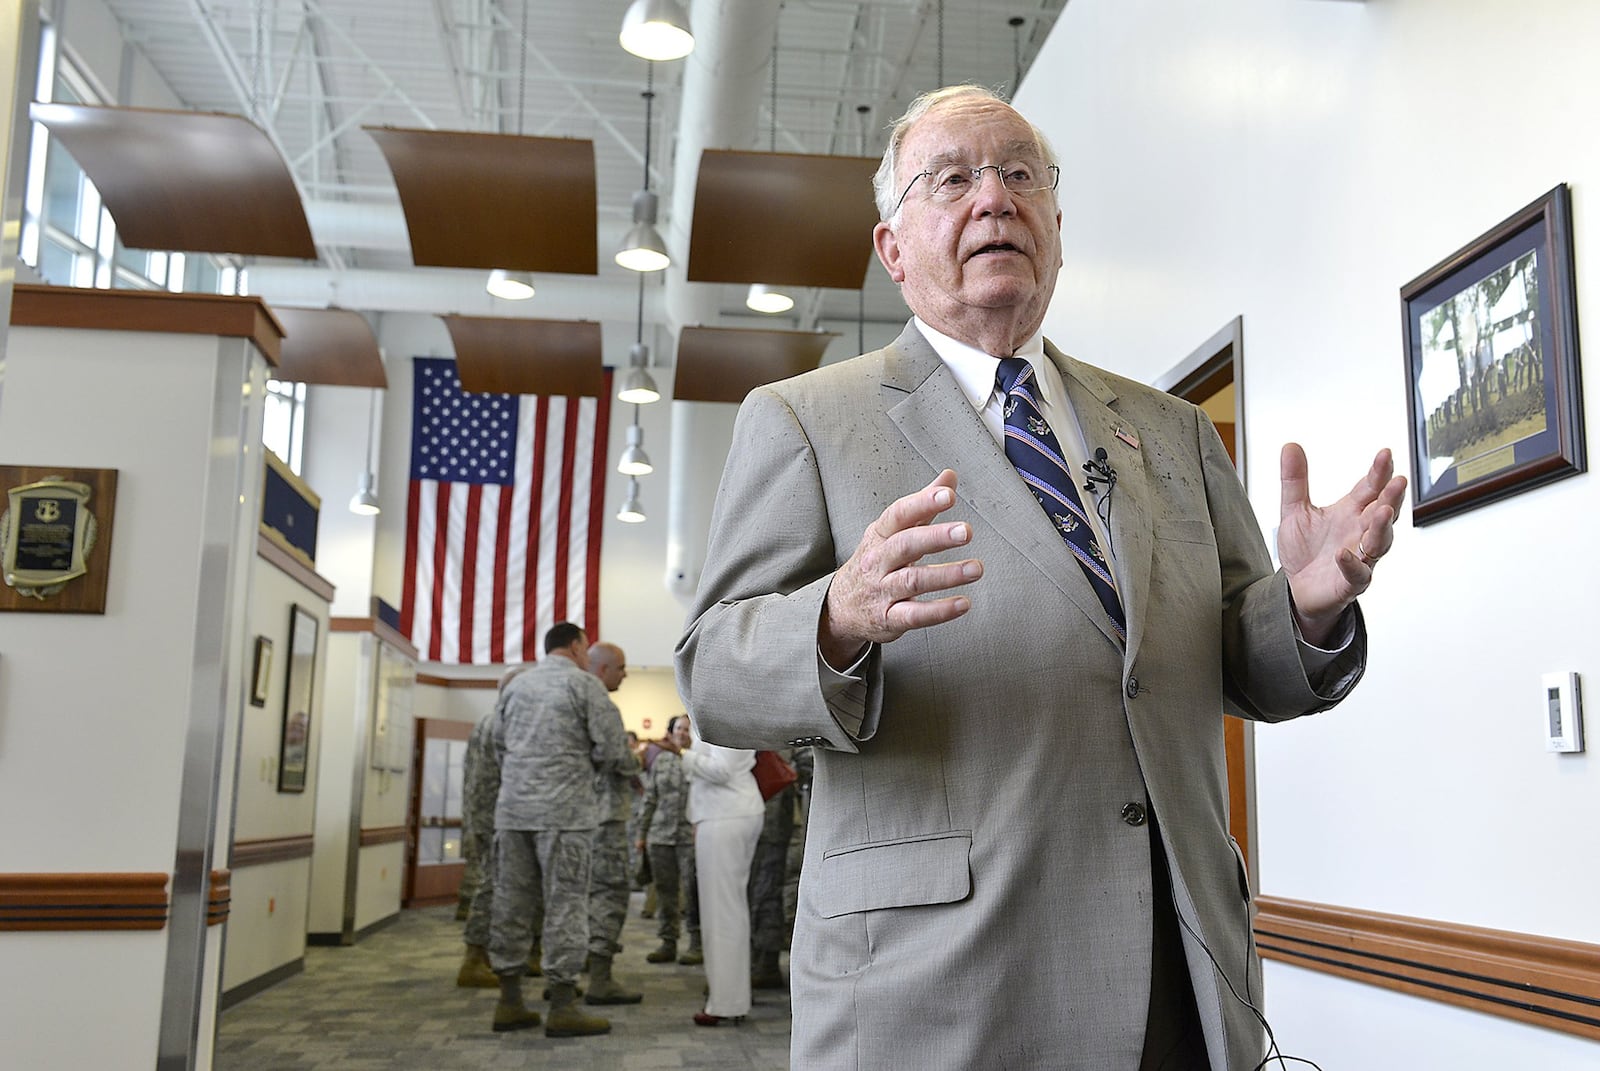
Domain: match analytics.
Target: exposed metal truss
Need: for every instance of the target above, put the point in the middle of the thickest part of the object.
(314, 72)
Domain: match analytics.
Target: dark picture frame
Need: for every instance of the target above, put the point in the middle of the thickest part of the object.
(294, 746)
(1493, 389)
(261, 672)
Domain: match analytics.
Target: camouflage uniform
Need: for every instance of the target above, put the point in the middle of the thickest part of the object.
(480, 786)
(610, 882)
(556, 734)
(769, 870)
(670, 839)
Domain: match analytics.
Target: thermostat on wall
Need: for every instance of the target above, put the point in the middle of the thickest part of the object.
(1563, 712)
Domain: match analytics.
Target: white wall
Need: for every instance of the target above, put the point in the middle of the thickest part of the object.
(1297, 162)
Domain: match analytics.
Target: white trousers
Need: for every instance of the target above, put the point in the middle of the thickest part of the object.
(723, 848)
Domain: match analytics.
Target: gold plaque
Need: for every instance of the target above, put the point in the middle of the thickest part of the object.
(46, 535)
(53, 532)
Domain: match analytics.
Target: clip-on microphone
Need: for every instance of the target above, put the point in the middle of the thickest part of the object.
(1099, 471)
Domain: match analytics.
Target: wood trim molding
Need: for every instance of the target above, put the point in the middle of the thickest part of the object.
(1540, 980)
(378, 628)
(146, 310)
(383, 835)
(264, 850)
(457, 682)
(220, 899)
(275, 554)
(83, 901)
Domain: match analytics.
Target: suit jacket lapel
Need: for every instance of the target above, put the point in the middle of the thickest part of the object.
(1094, 402)
(923, 400)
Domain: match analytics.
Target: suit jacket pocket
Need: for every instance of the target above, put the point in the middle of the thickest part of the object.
(930, 869)
(1186, 530)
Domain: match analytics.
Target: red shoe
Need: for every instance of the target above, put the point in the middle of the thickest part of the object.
(704, 1018)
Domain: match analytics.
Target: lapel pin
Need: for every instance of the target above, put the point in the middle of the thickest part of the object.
(1127, 436)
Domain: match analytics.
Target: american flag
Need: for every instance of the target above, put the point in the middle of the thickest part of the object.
(503, 519)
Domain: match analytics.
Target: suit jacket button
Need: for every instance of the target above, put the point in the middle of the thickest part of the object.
(1133, 687)
(1133, 814)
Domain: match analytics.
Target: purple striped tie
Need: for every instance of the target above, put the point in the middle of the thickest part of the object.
(1032, 447)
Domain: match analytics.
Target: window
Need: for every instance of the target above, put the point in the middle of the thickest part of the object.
(283, 430)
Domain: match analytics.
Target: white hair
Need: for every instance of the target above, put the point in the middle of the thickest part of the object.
(885, 187)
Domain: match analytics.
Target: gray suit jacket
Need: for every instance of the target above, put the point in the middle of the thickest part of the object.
(972, 896)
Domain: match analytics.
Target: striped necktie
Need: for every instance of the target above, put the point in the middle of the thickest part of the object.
(1032, 448)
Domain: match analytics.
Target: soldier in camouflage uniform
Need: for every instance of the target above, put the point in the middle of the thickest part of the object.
(557, 735)
(480, 786)
(669, 838)
(610, 882)
(768, 873)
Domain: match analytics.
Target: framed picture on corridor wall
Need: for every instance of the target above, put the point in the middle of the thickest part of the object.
(298, 696)
(1492, 371)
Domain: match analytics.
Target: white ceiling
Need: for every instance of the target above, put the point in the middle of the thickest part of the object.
(314, 72)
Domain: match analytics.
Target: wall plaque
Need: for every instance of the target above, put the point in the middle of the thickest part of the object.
(55, 538)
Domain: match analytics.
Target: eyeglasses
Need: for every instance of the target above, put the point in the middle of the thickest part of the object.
(954, 182)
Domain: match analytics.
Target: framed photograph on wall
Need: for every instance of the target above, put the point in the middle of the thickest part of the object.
(261, 672)
(295, 747)
(1492, 370)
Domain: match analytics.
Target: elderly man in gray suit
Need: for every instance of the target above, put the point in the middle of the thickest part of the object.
(956, 654)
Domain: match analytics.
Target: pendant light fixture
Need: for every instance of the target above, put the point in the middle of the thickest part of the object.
(639, 387)
(643, 248)
(634, 461)
(515, 285)
(631, 512)
(510, 285)
(656, 30)
(365, 501)
(764, 297)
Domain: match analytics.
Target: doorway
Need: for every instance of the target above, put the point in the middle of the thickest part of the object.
(1212, 377)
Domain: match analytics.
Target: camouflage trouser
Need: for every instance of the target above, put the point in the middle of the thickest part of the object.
(768, 874)
(477, 884)
(673, 868)
(609, 887)
(475, 848)
(526, 862)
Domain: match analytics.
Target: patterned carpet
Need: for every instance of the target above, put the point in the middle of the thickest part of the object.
(390, 1003)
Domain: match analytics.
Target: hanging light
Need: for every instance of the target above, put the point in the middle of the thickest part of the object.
(639, 387)
(767, 299)
(511, 285)
(656, 30)
(365, 502)
(643, 248)
(631, 512)
(634, 461)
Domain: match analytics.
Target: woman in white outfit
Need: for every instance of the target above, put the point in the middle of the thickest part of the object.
(726, 809)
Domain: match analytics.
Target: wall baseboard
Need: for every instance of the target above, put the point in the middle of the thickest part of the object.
(261, 983)
(1540, 980)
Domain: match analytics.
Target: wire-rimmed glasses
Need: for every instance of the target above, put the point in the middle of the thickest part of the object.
(954, 182)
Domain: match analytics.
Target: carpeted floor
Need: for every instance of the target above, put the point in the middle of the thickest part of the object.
(390, 1003)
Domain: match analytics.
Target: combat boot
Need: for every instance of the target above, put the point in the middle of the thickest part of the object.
(475, 972)
(603, 989)
(765, 973)
(665, 954)
(566, 1020)
(692, 956)
(509, 1012)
